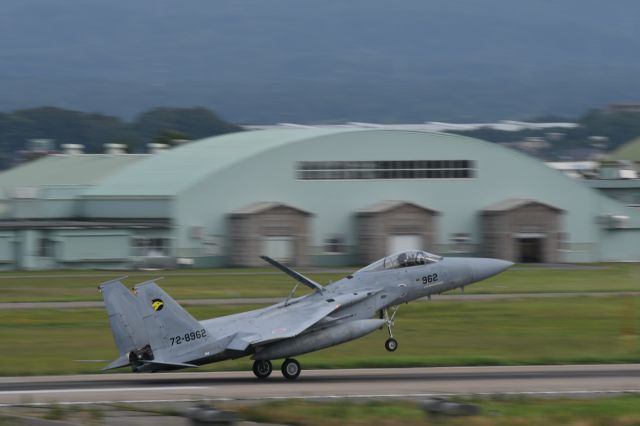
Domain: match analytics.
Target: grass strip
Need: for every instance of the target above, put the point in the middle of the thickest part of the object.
(251, 282)
(622, 411)
(528, 331)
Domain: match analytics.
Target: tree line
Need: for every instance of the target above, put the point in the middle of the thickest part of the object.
(165, 125)
(93, 130)
(616, 127)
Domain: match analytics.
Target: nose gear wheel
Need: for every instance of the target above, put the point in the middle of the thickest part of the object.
(391, 344)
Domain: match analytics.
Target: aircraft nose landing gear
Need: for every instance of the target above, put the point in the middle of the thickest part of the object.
(391, 344)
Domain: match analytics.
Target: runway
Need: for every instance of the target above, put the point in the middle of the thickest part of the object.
(570, 380)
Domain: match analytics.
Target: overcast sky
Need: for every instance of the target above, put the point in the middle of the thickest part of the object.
(266, 61)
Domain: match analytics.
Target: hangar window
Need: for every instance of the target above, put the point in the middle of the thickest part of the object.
(45, 247)
(460, 242)
(151, 247)
(334, 245)
(408, 169)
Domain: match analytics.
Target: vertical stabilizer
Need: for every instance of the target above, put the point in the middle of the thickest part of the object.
(125, 317)
(168, 324)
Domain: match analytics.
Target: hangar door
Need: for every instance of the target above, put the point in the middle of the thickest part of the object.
(398, 243)
(269, 229)
(388, 227)
(522, 230)
(529, 248)
(279, 248)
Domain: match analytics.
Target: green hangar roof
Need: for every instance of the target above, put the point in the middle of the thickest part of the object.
(59, 169)
(263, 166)
(170, 172)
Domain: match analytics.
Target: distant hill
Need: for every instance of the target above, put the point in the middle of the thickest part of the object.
(629, 151)
(62, 126)
(257, 61)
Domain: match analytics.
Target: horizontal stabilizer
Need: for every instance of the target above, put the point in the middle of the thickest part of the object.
(123, 361)
(171, 364)
(295, 275)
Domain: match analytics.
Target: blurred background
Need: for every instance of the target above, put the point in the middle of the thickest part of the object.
(322, 164)
(196, 136)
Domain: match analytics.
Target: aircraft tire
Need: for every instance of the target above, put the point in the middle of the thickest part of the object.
(291, 369)
(262, 369)
(391, 344)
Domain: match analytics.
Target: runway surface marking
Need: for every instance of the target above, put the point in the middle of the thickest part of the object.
(568, 380)
(541, 394)
(83, 390)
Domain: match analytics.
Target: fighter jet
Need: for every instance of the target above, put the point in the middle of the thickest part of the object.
(154, 333)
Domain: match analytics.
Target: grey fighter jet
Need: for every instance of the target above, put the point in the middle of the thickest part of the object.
(154, 333)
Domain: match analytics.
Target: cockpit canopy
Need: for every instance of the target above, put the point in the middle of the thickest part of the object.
(403, 259)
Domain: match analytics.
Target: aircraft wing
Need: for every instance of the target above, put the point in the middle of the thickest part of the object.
(285, 321)
(295, 275)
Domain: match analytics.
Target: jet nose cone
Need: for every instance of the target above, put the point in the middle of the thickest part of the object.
(484, 268)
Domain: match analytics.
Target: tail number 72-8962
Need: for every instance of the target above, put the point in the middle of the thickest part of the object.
(188, 337)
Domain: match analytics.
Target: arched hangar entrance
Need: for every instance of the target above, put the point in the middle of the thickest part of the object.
(392, 226)
(521, 230)
(272, 229)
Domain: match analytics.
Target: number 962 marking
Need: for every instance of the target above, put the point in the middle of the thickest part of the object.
(188, 337)
(427, 279)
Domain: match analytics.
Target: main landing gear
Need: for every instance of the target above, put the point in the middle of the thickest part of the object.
(391, 344)
(290, 369)
(262, 369)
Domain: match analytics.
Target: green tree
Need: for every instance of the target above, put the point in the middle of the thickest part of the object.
(170, 137)
(64, 126)
(93, 130)
(195, 122)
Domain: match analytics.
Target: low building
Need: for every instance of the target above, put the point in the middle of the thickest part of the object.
(307, 197)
